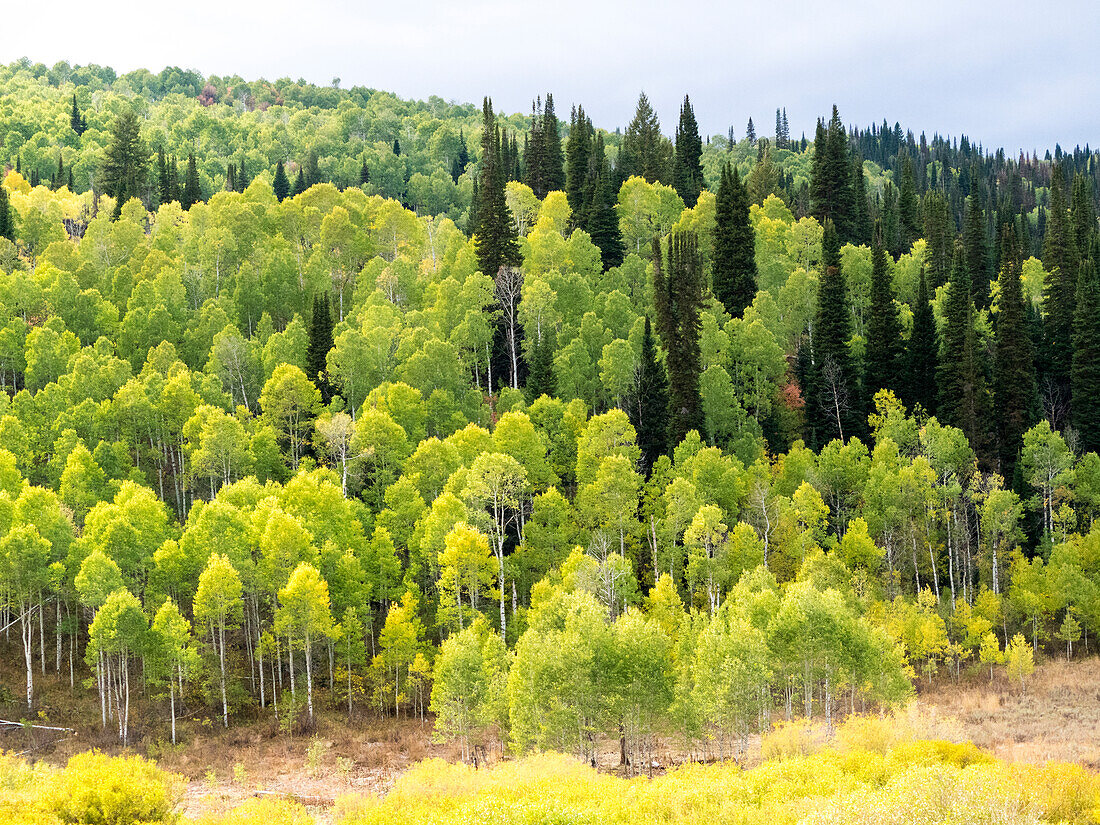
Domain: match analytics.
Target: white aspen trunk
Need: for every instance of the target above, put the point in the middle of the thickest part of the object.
(309, 677)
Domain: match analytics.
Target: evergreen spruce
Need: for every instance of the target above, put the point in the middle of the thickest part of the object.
(553, 161)
(649, 404)
(396, 147)
(939, 238)
(1014, 388)
(1060, 260)
(861, 213)
(836, 391)
(126, 161)
(311, 169)
(961, 383)
(734, 265)
(300, 184)
(922, 353)
(750, 133)
(364, 174)
(242, 175)
(1082, 212)
(230, 178)
(577, 153)
(280, 184)
(644, 150)
(320, 342)
(687, 169)
(59, 176)
(76, 120)
(192, 192)
(601, 218)
(908, 203)
(884, 347)
(1085, 377)
(540, 370)
(678, 297)
(976, 241)
(831, 178)
(495, 232)
(7, 215)
(164, 184)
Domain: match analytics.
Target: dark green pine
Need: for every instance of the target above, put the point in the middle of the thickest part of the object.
(364, 174)
(1085, 378)
(922, 353)
(126, 161)
(831, 177)
(76, 121)
(1083, 212)
(495, 233)
(396, 147)
(540, 370)
(1060, 260)
(1014, 389)
(7, 216)
(300, 184)
(553, 160)
(908, 203)
(164, 185)
(961, 385)
(578, 150)
(861, 214)
(976, 242)
(884, 347)
(687, 168)
(533, 152)
(939, 238)
(648, 405)
(312, 169)
(230, 178)
(242, 175)
(280, 184)
(678, 298)
(192, 192)
(734, 254)
(832, 332)
(602, 219)
(320, 342)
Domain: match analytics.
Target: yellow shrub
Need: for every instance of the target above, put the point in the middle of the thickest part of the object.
(798, 738)
(95, 789)
(262, 812)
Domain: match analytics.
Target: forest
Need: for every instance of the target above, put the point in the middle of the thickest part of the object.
(318, 399)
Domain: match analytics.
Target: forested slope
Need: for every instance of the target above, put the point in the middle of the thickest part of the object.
(614, 438)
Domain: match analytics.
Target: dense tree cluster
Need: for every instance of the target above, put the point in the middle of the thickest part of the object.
(632, 456)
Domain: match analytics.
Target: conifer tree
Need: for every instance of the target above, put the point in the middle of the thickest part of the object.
(577, 153)
(922, 352)
(861, 214)
(192, 193)
(312, 169)
(76, 120)
(280, 185)
(884, 348)
(687, 169)
(831, 177)
(1060, 260)
(961, 384)
(174, 180)
(7, 215)
(939, 238)
(495, 232)
(648, 406)
(976, 242)
(540, 370)
(230, 178)
(734, 264)
(300, 184)
(834, 373)
(750, 133)
(601, 218)
(59, 177)
(241, 175)
(1085, 378)
(644, 150)
(908, 203)
(364, 174)
(320, 342)
(1082, 212)
(1014, 390)
(126, 161)
(678, 297)
(553, 161)
(164, 184)
(396, 147)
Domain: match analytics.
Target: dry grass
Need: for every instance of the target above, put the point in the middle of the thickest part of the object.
(1057, 719)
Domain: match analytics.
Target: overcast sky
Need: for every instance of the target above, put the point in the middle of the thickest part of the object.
(1009, 73)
